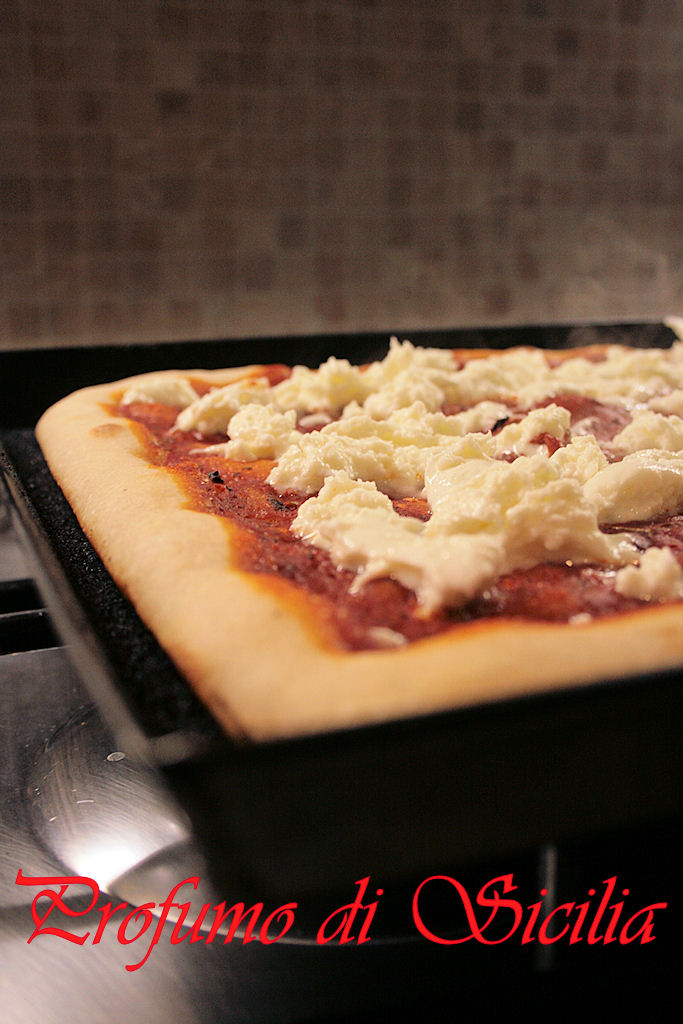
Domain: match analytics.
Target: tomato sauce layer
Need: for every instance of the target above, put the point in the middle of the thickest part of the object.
(265, 545)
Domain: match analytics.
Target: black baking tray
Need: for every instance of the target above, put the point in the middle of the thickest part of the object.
(394, 800)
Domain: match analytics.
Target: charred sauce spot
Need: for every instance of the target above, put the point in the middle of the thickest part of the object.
(283, 506)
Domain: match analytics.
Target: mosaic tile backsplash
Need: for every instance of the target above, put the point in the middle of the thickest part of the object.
(229, 168)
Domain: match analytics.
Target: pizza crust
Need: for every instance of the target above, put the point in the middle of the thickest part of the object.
(252, 650)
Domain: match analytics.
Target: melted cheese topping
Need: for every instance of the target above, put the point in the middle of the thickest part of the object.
(650, 429)
(173, 391)
(508, 485)
(657, 576)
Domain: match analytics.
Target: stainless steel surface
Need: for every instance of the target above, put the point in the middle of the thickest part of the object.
(52, 980)
(102, 813)
(36, 688)
(14, 563)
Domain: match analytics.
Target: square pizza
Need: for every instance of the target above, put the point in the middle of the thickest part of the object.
(324, 548)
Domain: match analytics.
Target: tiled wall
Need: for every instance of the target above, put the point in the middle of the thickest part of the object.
(205, 168)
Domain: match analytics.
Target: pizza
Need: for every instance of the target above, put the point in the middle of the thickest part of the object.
(324, 548)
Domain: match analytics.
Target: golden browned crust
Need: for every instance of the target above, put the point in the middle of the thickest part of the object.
(252, 655)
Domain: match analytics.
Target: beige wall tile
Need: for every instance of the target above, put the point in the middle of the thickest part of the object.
(250, 167)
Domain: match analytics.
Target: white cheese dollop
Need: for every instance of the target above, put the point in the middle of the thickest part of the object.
(258, 432)
(657, 577)
(581, 459)
(650, 429)
(212, 413)
(332, 386)
(641, 486)
(304, 467)
(669, 404)
(627, 375)
(176, 392)
(522, 374)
